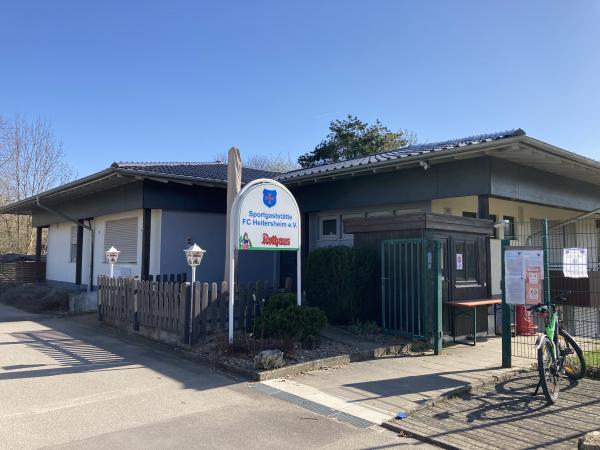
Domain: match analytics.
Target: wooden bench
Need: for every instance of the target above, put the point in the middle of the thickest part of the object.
(466, 307)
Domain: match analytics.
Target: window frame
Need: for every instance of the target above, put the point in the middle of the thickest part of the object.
(465, 280)
(329, 237)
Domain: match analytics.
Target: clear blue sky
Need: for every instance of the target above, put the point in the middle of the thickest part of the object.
(176, 80)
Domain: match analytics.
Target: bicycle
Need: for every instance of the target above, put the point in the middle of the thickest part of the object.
(557, 352)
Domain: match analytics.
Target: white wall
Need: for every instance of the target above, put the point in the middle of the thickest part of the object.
(58, 265)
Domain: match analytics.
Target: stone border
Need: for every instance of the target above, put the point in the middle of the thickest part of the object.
(323, 363)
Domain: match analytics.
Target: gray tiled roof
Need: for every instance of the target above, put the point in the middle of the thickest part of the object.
(216, 171)
(404, 152)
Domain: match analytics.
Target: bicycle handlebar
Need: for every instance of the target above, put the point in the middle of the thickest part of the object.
(539, 306)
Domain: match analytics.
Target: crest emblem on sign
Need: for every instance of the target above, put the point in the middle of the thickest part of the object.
(269, 197)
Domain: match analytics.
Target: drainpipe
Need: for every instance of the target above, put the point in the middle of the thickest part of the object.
(76, 222)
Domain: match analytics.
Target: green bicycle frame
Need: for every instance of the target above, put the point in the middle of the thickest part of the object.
(551, 330)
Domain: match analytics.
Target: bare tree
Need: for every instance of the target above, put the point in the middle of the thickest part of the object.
(274, 162)
(34, 162)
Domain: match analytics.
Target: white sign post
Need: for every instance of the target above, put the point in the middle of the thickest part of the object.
(264, 216)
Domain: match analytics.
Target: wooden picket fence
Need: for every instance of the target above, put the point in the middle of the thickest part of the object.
(116, 299)
(211, 306)
(162, 305)
(162, 310)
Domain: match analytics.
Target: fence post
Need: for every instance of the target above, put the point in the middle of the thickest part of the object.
(437, 297)
(546, 263)
(136, 302)
(188, 315)
(506, 333)
(99, 295)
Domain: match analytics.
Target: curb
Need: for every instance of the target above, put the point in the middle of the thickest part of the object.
(333, 361)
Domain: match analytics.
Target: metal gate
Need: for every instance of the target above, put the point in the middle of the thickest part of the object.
(411, 292)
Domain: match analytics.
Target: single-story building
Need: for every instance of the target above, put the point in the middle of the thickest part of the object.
(152, 211)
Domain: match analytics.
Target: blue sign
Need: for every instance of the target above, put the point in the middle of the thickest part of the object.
(269, 197)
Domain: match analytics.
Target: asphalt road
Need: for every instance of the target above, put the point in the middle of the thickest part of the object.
(66, 384)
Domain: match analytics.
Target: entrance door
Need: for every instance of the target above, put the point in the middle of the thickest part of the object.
(468, 262)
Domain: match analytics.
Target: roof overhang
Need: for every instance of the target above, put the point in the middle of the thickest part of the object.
(107, 179)
(522, 150)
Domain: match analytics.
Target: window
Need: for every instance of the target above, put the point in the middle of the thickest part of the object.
(328, 228)
(509, 230)
(123, 235)
(73, 246)
(466, 260)
(472, 215)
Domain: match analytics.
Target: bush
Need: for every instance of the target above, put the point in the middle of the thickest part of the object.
(36, 298)
(367, 327)
(282, 318)
(340, 281)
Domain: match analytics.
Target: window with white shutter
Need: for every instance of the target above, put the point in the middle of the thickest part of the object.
(123, 235)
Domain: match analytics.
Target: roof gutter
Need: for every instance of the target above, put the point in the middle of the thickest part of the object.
(60, 214)
(107, 173)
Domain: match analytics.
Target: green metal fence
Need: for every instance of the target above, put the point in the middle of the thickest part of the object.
(581, 314)
(411, 288)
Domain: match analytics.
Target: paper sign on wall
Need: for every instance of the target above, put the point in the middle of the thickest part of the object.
(533, 285)
(459, 261)
(575, 262)
(523, 275)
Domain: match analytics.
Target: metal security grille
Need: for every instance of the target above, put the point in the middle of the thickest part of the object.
(123, 235)
(581, 314)
(406, 287)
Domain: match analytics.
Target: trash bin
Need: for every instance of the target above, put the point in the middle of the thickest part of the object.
(525, 325)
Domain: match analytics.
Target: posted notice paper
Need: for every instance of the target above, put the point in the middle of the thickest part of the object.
(575, 262)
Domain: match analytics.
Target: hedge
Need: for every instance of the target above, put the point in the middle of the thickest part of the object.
(340, 281)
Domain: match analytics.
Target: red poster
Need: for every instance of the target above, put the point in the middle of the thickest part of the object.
(533, 285)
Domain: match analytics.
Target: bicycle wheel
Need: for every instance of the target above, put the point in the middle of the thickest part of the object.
(574, 362)
(547, 369)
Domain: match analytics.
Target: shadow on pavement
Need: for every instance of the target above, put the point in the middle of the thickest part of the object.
(509, 416)
(70, 346)
(415, 384)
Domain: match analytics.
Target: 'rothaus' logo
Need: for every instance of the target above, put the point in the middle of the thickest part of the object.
(275, 241)
(269, 197)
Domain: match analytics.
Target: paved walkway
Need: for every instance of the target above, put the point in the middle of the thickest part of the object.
(64, 384)
(508, 417)
(10, 314)
(378, 390)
